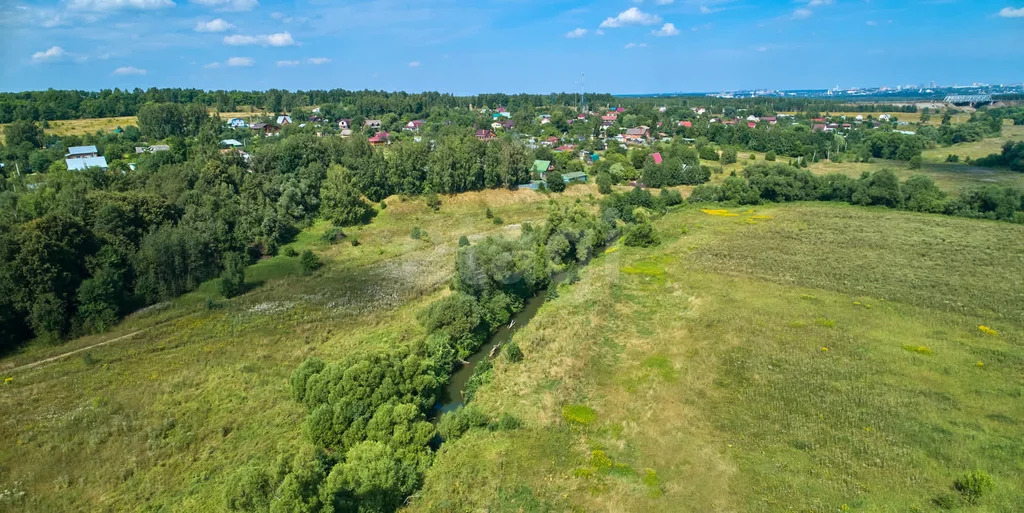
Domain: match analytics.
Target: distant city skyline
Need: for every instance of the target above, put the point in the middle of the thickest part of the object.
(623, 46)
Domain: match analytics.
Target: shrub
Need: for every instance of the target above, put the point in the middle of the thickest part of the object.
(770, 156)
(729, 156)
(354, 241)
(952, 158)
(309, 262)
(232, 280)
(973, 485)
(416, 233)
(249, 489)
(433, 201)
(753, 156)
(670, 197)
(488, 214)
(483, 373)
(512, 352)
(455, 423)
(555, 181)
(915, 162)
(463, 241)
(641, 235)
(290, 252)
(332, 235)
(499, 221)
(508, 422)
(604, 183)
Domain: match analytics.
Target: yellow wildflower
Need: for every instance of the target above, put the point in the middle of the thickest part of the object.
(988, 331)
(980, 364)
(8, 380)
(824, 349)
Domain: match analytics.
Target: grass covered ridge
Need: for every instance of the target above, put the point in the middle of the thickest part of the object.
(763, 367)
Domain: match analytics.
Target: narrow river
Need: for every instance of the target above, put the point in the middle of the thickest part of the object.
(451, 397)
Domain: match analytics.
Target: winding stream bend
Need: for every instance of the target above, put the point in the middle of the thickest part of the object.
(451, 397)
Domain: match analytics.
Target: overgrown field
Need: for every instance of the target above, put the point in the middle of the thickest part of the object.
(802, 357)
(161, 421)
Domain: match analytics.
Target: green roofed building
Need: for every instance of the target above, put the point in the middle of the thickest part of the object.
(541, 166)
(578, 176)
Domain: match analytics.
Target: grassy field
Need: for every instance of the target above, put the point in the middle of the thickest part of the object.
(160, 421)
(804, 357)
(91, 125)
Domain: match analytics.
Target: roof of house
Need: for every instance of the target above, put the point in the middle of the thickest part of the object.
(565, 147)
(371, 122)
(284, 119)
(686, 123)
(155, 147)
(657, 157)
(231, 142)
(85, 163)
(573, 176)
(820, 127)
(82, 150)
(484, 133)
(636, 131)
(379, 136)
(541, 166)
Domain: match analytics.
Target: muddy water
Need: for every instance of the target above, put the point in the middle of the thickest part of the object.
(451, 397)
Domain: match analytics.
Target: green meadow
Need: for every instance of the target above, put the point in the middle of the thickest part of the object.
(803, 357)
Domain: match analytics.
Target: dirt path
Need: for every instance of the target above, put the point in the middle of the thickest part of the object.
(69, 353)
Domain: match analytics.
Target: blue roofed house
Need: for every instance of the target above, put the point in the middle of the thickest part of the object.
(81, 152)
(83, 163)
(237, 123)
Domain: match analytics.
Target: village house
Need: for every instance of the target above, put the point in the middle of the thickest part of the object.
(485, 135)
(233, 143)
(565, 148)
(284, 120)
(638, 134)
(372, 123)
(82, 152)
(344, 124)
(152, 149)
(237, 123)
(346, 132)
(687, 124)
(265, 129)
(608, 120)
(413, 126)
(379, 138)
(83, 163)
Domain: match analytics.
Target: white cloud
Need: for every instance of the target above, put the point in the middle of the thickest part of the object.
(129, 70)
(318, 60)
(414, 64)
(801, 14)
(667, 29)
(706, 10)
(239, 61)
(818, 3)
(762, 48)
(576, 32)
(872, 23)
(635, 45)
(110, 5)
(54, 53)
(280, 39)
(229, 5)
(664, 2)
(1010, 12)
(599, 32)
(288, 63)
(215, 25)
(631, 16)
(212, 65)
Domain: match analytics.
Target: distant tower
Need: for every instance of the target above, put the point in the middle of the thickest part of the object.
(583, 99)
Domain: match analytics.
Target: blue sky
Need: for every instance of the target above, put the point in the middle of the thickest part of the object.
(472, 46)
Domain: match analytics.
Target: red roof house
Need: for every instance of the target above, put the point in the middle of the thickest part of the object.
(378, 138)
(687, 124)
(657, 157)
(484, 135)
